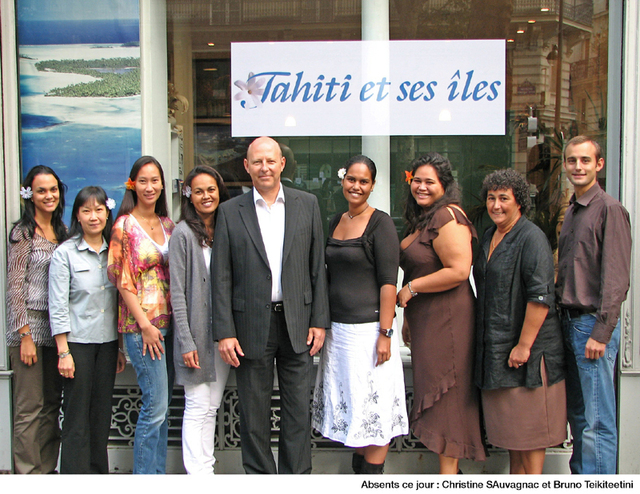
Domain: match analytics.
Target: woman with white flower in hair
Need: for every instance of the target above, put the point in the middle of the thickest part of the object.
(37, 386)
(198, 365)
(83, 308)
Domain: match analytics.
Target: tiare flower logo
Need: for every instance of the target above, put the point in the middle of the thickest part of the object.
(250, 95)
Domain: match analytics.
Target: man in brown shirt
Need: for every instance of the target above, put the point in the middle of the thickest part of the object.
(594, 255)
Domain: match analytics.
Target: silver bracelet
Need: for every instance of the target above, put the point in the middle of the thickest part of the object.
(62, 355)
(413, 294)
(25, 334)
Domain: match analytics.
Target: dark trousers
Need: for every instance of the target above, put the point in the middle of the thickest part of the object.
(87, 408)
(255, 386)
(37, 392)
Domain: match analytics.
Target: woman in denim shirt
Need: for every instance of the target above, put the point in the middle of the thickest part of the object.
(83, 315)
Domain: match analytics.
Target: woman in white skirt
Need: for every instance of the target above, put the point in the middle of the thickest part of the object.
(359, 399)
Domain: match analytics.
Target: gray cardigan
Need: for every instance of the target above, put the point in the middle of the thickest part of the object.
(191, 304)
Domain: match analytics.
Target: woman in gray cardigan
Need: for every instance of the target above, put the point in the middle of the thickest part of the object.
(198, 365)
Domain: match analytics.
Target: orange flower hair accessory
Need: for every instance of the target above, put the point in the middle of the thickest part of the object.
(130, 184)
(408, 176)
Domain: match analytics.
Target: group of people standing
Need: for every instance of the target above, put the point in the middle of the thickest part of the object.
(502, 354)
(92, 289)
(249, 283)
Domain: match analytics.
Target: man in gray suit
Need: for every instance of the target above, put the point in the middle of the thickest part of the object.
(270, 303)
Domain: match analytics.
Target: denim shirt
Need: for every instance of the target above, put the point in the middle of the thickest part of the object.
(519, 271)
(82, 301)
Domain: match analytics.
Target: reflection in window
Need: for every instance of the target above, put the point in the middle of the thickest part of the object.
(200, 33)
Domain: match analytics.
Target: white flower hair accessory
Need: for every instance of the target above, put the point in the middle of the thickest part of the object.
(110, 203)
(341, 173)
(186, 191)
(26, 193)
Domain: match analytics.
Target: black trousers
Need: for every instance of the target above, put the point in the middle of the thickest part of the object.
(255, 386)
(86, 404)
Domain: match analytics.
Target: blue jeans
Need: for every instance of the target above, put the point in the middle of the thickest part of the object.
(591, 399)
(150, 442)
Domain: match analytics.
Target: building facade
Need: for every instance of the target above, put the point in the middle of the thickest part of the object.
(571, 68)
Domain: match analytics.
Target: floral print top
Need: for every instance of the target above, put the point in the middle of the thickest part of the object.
(141, 268)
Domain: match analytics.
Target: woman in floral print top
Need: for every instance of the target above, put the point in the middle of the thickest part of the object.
(139, 267)
(143, 270)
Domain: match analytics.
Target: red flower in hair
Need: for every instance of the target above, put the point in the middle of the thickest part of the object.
(130, 184)
(408, 176)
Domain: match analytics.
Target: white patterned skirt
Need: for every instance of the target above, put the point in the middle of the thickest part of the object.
(355, 402)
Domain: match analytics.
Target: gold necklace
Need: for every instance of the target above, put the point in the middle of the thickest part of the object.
(44, 234)
(494, 243)
(351, 216)
(149, 222)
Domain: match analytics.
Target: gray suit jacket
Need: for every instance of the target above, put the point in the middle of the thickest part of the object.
(241, 278)
(190, 301)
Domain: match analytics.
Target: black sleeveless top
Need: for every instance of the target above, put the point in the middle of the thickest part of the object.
(358, 267)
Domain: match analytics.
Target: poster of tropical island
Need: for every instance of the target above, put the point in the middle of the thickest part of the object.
(79, 70)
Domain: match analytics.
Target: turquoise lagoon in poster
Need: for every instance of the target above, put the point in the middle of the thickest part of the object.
(80, 97)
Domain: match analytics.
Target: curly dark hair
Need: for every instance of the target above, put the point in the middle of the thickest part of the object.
(508, 179)
(416, 216)
(188, 211)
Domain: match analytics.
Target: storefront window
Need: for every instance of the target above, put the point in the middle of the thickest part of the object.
(556, 72)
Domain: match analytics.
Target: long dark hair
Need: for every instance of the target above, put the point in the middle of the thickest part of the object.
(416, 216)
(28, 219)
(188, 211)
(88, 194)
(130, 198)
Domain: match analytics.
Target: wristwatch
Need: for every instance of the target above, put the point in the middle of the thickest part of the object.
(386, 332)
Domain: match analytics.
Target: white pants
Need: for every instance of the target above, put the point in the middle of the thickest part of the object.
(199, 421)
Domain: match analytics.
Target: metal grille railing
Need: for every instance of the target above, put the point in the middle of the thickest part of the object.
(126, 405)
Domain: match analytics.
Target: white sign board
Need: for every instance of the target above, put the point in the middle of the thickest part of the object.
(335, 88)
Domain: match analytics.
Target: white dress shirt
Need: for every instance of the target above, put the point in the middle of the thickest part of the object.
(271, 221)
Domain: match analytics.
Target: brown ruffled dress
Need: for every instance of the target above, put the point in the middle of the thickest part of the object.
(446, 411)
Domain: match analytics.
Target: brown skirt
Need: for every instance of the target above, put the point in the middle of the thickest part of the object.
(524, 419)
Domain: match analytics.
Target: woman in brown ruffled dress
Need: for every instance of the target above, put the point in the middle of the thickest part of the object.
(439, 314)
